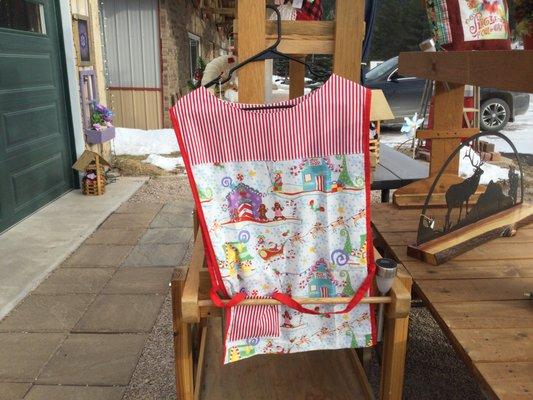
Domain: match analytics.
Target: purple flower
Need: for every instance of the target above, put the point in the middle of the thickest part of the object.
(102, 112)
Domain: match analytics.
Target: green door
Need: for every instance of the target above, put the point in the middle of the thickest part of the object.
(35, 137)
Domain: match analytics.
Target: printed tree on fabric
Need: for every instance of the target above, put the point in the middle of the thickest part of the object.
(344, 177)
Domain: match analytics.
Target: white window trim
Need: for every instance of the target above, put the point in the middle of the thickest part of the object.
(196, 38)
(72, 77)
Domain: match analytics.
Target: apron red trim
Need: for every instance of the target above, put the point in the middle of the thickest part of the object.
(369, 236)
(214, 272)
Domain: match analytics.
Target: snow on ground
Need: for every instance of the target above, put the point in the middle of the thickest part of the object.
(166, 163)
(138, 142)
(394, 138)
(491, 172)
(520, 132)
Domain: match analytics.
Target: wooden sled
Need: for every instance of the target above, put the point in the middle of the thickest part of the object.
(326, 374)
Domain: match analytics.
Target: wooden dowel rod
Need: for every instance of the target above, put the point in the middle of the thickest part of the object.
(304, 300)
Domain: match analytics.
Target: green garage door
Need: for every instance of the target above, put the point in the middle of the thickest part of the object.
(35, 138)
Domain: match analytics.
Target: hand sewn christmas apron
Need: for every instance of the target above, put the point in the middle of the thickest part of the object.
(283, 200)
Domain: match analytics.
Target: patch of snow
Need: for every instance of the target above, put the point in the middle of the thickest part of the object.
(520, 132)
(491, 172)
(166, 163)
(394, 139)
(138, 142)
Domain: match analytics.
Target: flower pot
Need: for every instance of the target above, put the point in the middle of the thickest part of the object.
(92, 136)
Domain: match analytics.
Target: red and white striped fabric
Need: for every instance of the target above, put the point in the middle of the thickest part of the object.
(320, 123)
(254, 322)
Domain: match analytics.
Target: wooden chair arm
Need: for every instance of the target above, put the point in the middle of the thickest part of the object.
(400, 300)
(190, 309)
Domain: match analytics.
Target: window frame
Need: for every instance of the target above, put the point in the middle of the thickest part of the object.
(41, 7)
(192, 63)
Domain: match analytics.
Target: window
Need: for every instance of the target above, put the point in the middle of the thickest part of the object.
(194, 52)
(22, 15)
(313, 288)
(307, 178)
(395, 76)
(382, 69)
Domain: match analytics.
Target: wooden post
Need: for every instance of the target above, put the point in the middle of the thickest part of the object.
(296, 78)
(195, 222)
(182, 346)
(445, 136)
(395, 342)
(251, 16)
(448, 115)
(98, 176)
(349, 35)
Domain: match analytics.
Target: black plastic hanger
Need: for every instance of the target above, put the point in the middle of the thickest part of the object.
(271, 52)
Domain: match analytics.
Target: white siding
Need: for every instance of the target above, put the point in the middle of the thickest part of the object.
(132, 43)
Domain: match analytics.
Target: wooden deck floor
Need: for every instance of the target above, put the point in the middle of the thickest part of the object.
(315, 375)
(477, 299)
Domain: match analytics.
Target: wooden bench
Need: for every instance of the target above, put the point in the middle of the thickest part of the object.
(477, 298)
(193, 316)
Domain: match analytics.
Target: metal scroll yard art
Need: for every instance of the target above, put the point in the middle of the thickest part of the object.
(473, 213)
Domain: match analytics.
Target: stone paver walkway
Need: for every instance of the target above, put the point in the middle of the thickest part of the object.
(79, 334)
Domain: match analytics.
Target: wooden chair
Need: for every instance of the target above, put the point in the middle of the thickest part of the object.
(192, 310)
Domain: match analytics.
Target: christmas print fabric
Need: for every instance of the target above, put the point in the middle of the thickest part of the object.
(283, 202)
(469, 24)
(484, 19)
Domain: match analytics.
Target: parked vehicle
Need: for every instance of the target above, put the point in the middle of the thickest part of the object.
(403, 93)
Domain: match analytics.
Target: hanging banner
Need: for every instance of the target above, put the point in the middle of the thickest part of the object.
(484, 19)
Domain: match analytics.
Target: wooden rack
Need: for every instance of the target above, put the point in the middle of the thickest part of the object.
(452, 71)
(501, 69)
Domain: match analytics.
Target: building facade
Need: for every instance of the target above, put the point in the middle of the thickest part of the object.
(56, 57)
(151, 48)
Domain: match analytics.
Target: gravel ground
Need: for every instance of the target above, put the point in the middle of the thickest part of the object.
(163, 189)
(433, 370)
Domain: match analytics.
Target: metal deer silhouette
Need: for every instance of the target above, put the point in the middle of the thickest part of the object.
(460, 193)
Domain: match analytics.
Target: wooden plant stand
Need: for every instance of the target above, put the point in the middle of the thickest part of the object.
(197, 340)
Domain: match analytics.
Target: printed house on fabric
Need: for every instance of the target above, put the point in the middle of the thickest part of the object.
(284, 197)
(321, 281)
(316, 175)
(244, 203)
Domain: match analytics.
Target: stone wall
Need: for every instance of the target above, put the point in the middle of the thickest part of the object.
(176, 19)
